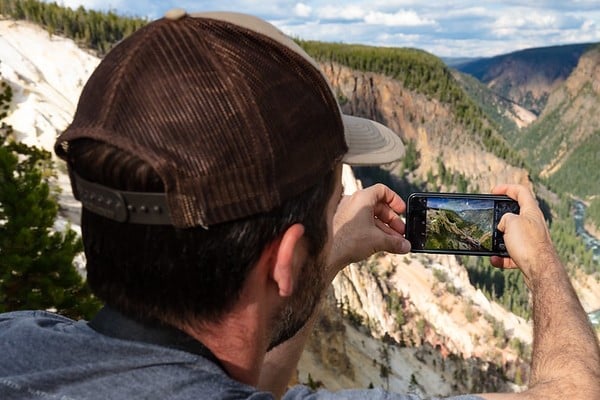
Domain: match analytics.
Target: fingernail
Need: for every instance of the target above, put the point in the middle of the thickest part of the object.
(405, 246)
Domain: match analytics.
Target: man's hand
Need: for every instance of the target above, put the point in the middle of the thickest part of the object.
(565, 361)
(526, 235)
(366, 222)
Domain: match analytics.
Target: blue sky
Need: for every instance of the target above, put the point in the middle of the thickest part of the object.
(460, 28)
(459, 204)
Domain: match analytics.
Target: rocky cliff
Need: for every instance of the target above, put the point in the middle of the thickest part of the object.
(577, 103)
(428, 122)
(414, 323)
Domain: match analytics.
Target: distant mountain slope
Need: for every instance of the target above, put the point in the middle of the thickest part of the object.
(508, 115)
(455, 62)
(564, 144)
(527, 77)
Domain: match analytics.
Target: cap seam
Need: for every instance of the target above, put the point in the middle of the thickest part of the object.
(285, 49)
(124, 64)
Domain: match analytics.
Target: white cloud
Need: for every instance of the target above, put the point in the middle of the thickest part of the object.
(400, 18)
(589, 32)
(397, 40)
(589, 25)
(316, 30)
(388, 38)
(93, 4)
(470, 48)
(302, 10)
(349, 13)
(516, 22)
(475, 11)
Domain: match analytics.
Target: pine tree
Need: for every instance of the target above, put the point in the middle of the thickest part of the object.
(36, 262)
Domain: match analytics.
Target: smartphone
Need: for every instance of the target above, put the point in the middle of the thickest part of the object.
(457, 223)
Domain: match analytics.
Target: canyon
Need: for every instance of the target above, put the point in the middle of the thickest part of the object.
(407, 323)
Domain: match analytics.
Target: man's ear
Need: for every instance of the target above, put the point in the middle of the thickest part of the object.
(288, 259)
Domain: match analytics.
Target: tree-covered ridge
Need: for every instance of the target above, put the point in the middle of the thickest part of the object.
(579, 174)
(423, 73)
(542, 142)
(563, 145)
(92, 29)
(494, 106)
(417, 69)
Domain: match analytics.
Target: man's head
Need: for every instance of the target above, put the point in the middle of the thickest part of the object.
(235, 131)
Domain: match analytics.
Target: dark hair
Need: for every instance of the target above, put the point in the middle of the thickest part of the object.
(157, 271)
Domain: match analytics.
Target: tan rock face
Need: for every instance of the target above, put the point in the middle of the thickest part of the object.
(403, 330)
(588, 70)
(426, 121)
(577, 105)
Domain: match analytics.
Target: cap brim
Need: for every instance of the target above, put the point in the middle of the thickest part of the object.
(370, 143)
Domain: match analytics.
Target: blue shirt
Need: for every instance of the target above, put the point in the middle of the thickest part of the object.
(47, 356)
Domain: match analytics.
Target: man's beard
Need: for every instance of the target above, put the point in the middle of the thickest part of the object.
(301, 305)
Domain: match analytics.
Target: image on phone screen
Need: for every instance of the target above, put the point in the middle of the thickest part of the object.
(457, 223)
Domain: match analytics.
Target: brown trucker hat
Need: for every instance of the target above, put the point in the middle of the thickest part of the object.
(231, 113)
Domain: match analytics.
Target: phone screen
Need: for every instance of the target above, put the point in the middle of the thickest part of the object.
(457, 223)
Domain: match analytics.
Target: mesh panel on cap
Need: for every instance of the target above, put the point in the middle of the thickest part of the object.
(232, 121)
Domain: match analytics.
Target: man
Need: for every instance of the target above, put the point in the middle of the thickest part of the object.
(206, 150)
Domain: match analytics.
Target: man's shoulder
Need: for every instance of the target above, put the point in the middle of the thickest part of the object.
(59, 357)
(14, 316)
(305, 393)
(31, 318)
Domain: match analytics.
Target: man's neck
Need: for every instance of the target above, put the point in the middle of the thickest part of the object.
(238, 341)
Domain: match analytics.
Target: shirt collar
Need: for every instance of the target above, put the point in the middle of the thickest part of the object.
(111, 322)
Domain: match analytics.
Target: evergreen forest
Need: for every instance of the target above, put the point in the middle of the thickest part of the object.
(95, 30)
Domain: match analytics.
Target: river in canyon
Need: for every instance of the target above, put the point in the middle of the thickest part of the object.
(591, 243)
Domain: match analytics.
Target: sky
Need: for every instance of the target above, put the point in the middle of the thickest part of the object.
(459, 28)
